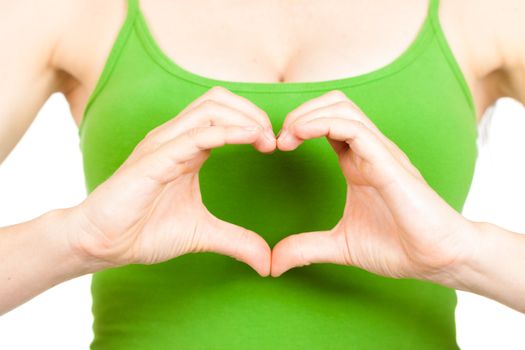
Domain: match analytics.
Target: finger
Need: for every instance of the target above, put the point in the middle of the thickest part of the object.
(304, 249)
(345, 107)
(207, 113)
(239, 243)
(399, 188)
(175, 156)
(325, 99)
(241, 103)
(379, 165)
(236, 102)
(342, 108)
(345, 110)
(219, 112)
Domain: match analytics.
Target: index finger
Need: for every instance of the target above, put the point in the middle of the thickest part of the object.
(225, 96)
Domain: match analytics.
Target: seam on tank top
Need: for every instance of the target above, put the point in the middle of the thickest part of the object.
(110, 62)
(159, 56)
(418, 50)
(446, 51)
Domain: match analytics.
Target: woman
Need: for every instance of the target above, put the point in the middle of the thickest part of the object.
(364, 182)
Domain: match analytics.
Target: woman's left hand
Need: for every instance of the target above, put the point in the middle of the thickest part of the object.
(394, 224)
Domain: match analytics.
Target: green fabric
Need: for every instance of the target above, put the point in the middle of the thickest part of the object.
(209, 301)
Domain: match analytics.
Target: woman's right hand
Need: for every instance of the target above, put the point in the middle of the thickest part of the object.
(150, 210)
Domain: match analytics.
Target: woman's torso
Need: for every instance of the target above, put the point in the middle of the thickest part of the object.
(419, 100)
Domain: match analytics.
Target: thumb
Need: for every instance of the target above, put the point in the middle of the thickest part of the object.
(305, 248)
(239, 243)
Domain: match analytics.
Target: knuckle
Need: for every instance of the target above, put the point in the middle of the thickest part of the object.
(139, 147)
(346, 102)
(353, 104)
(337, 93)
(148, 143)
(151, 134)
(344, 106)
(357, 123)
(208, 103)
(217, 90)
(194, 133)
(210, 110)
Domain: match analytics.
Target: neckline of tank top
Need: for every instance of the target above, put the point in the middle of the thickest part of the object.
(410, 53)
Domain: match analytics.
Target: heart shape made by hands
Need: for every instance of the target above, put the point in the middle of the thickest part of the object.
(393, 223)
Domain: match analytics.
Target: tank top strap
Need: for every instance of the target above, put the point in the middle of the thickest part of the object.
(132, 10)
(433, 8)
(133, 6)
(433, 17)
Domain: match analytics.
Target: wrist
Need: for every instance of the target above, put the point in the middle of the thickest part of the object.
(468, 268)
(480, 250)
(462, 256)
(37, 255)
(73, 241)
(490, 255)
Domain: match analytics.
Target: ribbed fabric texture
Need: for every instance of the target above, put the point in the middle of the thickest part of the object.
(207, 301)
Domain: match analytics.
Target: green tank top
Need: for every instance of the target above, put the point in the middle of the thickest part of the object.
(208, 301)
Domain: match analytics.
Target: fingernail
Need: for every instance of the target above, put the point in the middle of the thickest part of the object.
(283, 135)
(268, 133)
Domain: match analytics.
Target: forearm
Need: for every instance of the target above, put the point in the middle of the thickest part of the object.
(36, 255)
(494, 267)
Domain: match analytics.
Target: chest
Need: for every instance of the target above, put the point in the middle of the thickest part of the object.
(271, 41)
(281, 41)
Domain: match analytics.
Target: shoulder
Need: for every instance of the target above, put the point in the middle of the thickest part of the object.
(88, 28)
(30, 31)
(496, 22)
(30, 28)
(508, 24)
(41, 21)
(493, 32)
(473, 22)
(506, 19)
(34, 31)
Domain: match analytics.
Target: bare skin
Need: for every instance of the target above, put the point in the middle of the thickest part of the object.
(68, 51)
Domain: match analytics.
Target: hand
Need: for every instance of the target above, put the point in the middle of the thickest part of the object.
(394, 224)
(150, 210)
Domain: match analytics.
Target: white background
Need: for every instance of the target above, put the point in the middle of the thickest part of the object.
(44, 172)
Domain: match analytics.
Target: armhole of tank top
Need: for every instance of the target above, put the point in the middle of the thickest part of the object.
(449, 55)
(112, 57)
